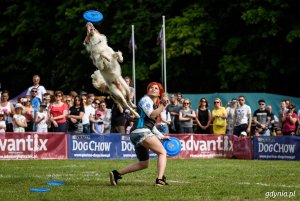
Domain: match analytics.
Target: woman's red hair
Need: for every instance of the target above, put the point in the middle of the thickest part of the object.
(161, 89)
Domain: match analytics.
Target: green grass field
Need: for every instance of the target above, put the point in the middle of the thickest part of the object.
(189, 179)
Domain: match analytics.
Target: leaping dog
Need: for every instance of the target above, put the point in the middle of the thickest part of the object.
(108, 77)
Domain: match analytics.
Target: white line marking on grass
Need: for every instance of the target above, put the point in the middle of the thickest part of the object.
(264, 184)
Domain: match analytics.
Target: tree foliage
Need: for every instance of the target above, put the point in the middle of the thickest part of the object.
(246, 45)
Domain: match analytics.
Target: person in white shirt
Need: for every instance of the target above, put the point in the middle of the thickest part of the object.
(242, 118)
(89, 113)
(41, 119)
(19, 120)
(36, 84)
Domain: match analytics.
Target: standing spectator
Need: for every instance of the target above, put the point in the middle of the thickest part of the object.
(230, 110)
(8, 109)
(83, 96)
(145, 136)
(73, 94)
(28, 112)
(76, 113)
(69, 101)
(89, 113)
(180, 99)
(186, 116)
(2, 123)
(97, 126)
(106, 116)
(219, 117)
(35, 102)
(58, 113)
(47, 100)
(41, 119)
(203, 117)
(118, 119)
(19, 120)
(132, 90)
(173, 108)
(36, 84)
(273, 126)
(262, 119)
(164, 119)
(283, 110)
(96, 104)
(289, 121)
(242, 118)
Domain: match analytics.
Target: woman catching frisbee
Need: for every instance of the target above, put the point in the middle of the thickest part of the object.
(144, 135)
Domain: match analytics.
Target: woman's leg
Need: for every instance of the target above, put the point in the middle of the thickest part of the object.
(156, 146)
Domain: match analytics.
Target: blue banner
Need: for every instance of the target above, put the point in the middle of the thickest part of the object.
(277, 148)
(101, 146)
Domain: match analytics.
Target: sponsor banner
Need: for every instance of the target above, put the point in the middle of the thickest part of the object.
(31, 145)
(101, 146)
(205, 146)
(214, 146)
(277, 148)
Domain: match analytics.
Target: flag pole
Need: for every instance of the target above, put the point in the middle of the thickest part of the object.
(133, 62)
(164, 54)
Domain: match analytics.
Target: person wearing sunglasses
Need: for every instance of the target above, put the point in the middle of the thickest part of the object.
(203, 115)
(242, 118)
(186, 116)
(219, 116)
(262, 119)
(35, 102)
(59, 113)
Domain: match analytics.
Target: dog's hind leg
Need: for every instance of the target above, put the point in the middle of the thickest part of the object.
(119, 98)
(126, 92)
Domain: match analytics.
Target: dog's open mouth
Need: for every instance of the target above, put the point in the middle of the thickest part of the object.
(90, 27)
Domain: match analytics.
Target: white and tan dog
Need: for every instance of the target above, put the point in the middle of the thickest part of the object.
(108, 77)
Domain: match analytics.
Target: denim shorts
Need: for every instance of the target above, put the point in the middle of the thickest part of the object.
(137, 137)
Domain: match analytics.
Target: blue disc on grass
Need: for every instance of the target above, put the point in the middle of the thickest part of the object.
(39, 190)
(172, 146)
(55, 183)
(92, 16)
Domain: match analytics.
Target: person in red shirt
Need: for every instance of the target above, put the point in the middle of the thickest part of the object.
(58, 113)
(289, 120)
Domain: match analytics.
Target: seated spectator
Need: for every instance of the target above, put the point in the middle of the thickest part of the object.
(19, 120)
(203, 117)
(262, 119)
(219, 117)
(289, 121)
(76, 113)
(2, 123)
(41, 119)
(97, 125)
(186, 116)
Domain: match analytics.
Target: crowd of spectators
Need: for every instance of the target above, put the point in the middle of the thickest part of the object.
(42, 111)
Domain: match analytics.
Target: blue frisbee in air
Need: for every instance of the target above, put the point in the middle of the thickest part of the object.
(39, 190)
(172, 146)
(92, 16)
(55, 183)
